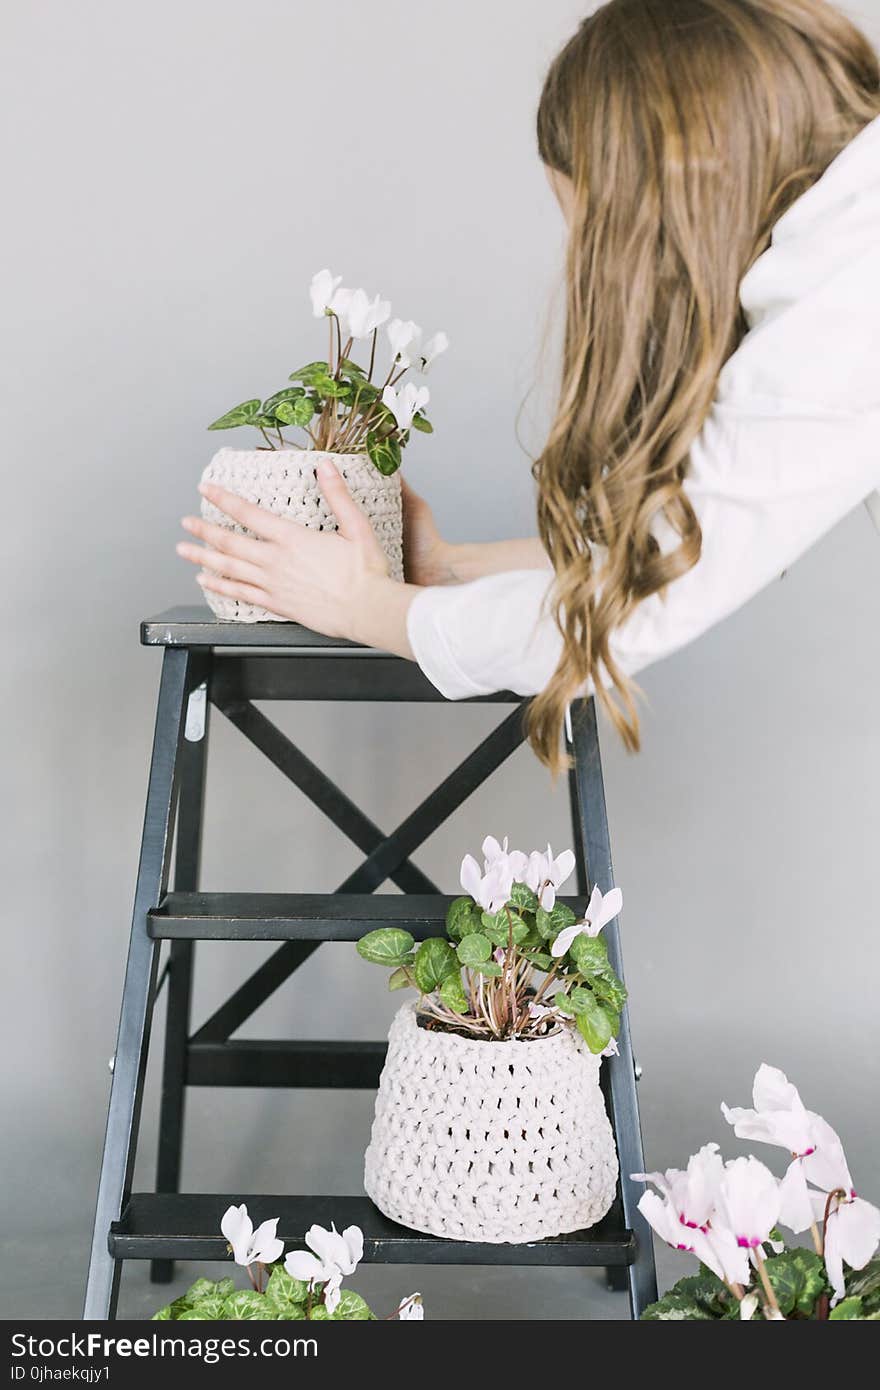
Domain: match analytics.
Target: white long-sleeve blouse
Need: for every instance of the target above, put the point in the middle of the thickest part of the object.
(792, 444)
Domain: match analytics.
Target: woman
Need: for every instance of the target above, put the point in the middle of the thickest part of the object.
(718, 166)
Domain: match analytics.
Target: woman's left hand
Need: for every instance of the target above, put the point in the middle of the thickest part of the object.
(329, 581)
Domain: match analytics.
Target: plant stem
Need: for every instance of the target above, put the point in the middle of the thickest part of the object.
(768, 1287)
(266, 437)
(818, 1243)
(372, 355)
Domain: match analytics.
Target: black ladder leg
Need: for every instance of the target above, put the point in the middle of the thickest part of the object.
(616, 1276)
(126, 1089)
(594, 860)
(187, 860)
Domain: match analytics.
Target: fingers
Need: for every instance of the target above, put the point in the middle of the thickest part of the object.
(223, 539)
(352, 521)
(256, 519)
(219, 563)
(231, 588)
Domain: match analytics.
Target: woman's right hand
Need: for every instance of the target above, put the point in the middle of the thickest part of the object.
(427, 558)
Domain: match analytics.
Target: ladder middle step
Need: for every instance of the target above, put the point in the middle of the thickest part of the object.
(299, 916)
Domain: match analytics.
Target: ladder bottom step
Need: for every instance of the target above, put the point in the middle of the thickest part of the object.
(182, 1226)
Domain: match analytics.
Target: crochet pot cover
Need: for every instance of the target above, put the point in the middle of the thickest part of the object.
(283, 480)
(489, 1141)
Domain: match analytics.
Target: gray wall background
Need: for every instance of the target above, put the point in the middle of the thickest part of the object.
(174, 173)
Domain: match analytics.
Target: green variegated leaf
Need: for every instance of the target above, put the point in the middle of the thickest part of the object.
(865, 1284)
(213, 1309)
(462, 917)
(596, 1023)
(539, 959)
(351, 1308)
(243, 414)
(400, 978)
(550, 924)
(523, 898)
(435, 962)
(797, 1278)
(488, 967)
(675, 1307)
(282, 1288)
(421, 422)
(389, 946)
(589, 954)
(247, 1306)
(474, 948)
(384, 453)
(499, 927)
(202, 1288)
(452, 993)
(846, 1311)
(310, 373)
(288, 393)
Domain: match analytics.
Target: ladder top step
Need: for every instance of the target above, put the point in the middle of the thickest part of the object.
(300, 916)
(187, 1226)
(194, 625)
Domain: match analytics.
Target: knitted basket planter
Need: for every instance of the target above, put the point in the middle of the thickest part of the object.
(489, 1141)
(284, 481)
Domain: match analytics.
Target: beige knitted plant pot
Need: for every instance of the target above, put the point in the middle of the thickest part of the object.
(489, 1141)
(284, 481)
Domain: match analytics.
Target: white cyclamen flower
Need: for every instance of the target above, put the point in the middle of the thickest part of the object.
(249, 1246)
(404, 337)
(692, 1191)
(411, 1309)
(544, 874)
(748, 1306)
(716, 1248)
(852, 1231)
(322, 289)
(358, 314)
(432, 349)
(852, 1234)
(779, 1116)
(406, 403)
(749, 1201)
(345, 1251)
(332, 1256)
(601, 909)
(490, 889)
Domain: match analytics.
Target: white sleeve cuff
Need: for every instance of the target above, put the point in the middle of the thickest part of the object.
(485, 636)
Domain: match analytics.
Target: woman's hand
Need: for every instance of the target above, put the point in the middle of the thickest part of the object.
(332, 582)
(427, 558)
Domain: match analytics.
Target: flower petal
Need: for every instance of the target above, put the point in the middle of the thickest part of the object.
(565, 938)
(301, 1264)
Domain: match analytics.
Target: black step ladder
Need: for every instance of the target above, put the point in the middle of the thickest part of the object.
(208, 663)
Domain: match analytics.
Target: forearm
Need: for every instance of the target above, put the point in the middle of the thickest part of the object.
(379, 614)
(475, 559)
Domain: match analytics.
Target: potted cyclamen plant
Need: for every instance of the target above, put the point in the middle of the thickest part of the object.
(341, 410)
(303, 1286)
(490, 1123)
(728, 1214)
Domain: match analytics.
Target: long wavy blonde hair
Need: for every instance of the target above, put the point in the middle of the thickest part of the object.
(686, 127)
